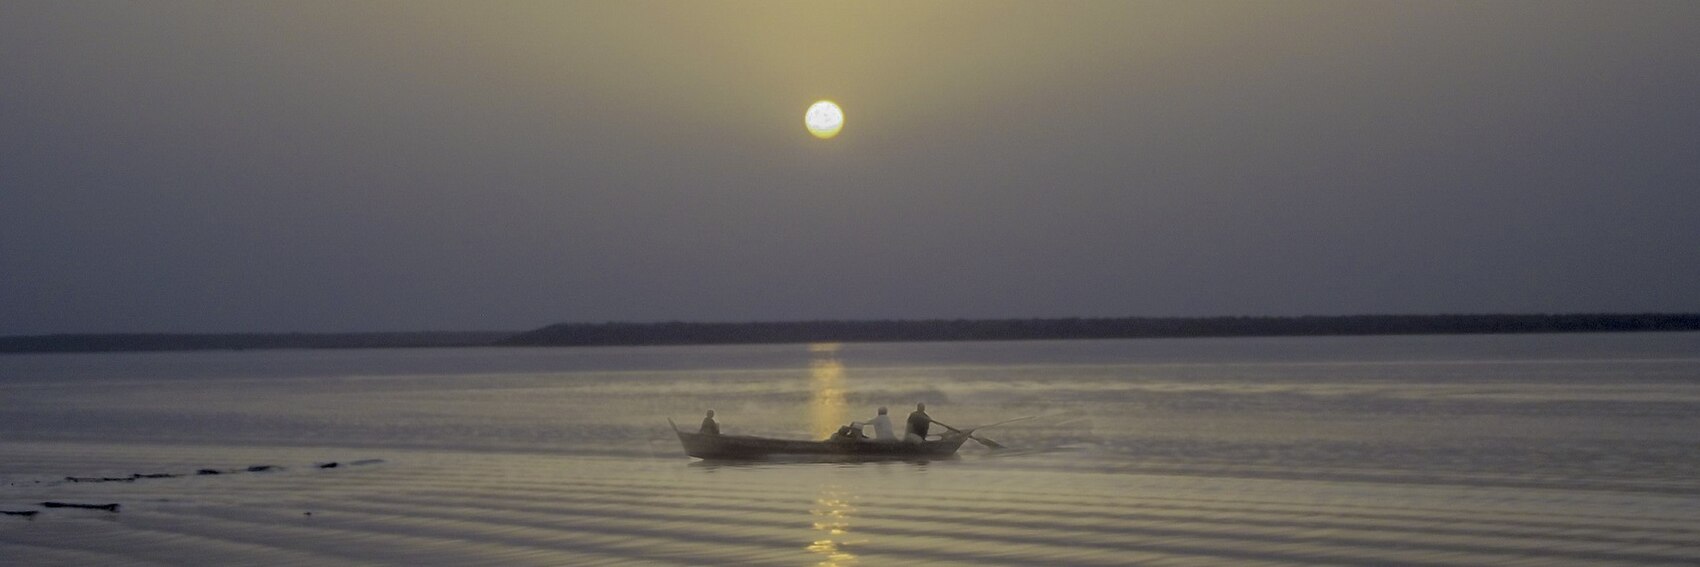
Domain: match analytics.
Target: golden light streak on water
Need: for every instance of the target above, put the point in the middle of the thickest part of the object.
(832, 512)
(827, 409)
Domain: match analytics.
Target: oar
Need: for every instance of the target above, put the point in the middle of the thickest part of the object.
(1003, 422)
(982, 440)
(990, 444)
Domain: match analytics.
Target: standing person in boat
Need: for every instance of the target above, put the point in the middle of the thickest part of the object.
(918, 423)
(882, 426)
(709, 427)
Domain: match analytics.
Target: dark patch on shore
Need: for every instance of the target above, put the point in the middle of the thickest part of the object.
(108, 507)
(244, 341)
(133, 477)
(781, 332)
(209, 472)
(361, 462)
(682, 333)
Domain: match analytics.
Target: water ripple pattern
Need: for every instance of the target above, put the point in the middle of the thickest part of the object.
(1556, 450)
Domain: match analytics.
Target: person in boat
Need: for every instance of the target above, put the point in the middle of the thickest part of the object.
(882, 426)
(709, 427)
(852, 432)
(919, 421)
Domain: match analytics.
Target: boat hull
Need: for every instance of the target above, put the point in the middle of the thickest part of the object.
(745, 447)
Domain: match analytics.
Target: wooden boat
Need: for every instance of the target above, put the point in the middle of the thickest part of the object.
(748, 447)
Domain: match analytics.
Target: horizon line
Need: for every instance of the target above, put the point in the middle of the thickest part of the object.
(849, 320)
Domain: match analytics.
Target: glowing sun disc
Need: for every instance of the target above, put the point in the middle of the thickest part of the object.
(824, 119)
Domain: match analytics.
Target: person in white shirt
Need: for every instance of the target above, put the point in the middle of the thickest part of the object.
(882, 426)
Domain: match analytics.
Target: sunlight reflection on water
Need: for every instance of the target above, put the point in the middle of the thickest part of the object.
(827, 412)
(1354, 451)
(832, 512)
(827, 409)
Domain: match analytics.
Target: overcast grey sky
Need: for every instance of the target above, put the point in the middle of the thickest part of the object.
(339, 166)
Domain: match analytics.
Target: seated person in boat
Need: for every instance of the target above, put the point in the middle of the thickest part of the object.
(709, 427)
(882, 426)
(852, 432)
(919, 421)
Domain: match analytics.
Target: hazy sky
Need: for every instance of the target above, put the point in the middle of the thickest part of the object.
(334, 166)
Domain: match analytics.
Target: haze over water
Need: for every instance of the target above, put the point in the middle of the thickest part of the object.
(1444, 450)
(314, 166)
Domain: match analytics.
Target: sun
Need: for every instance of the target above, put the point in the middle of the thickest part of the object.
(824, 119)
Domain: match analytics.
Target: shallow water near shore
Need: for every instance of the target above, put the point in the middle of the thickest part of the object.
(1425, 450)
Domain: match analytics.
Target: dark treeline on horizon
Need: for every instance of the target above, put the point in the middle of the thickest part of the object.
(680, 333)
(242, 341)
(683, 333)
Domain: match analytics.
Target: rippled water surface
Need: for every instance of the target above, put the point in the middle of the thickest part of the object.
(1537, 450)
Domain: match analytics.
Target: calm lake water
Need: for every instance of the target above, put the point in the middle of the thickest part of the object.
(1445, 450)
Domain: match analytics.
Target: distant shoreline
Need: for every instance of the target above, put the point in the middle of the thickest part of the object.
(156, 342)
(933, 330)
